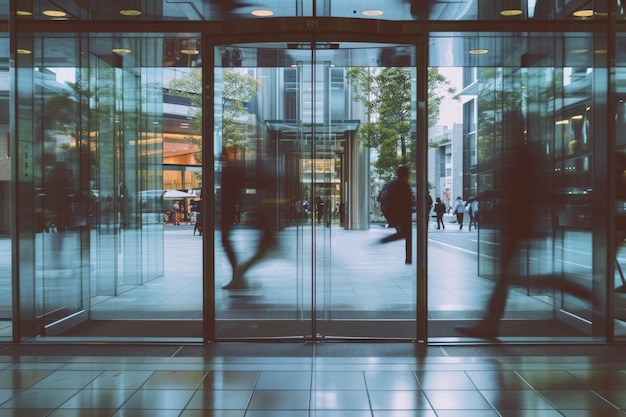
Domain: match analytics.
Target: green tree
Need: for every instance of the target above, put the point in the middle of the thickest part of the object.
(386, 95)
(237, 89)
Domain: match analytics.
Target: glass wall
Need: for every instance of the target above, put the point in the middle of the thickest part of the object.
(91, 144)
(527, 162)
(117, 235)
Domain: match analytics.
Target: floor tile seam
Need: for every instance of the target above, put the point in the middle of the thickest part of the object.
(543, 394)
(95, 366)
(316, 360)
(617, 407)
(251, 362)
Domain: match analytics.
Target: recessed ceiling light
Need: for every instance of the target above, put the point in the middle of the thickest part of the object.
(262, 12)
(478, 51)
(583, 13)
(372, 12)
(511, 12)
(121, 51)
(130, 12)
(23, 51)
(54, 13)
(579, 51)
(23, 13)
(600, 51)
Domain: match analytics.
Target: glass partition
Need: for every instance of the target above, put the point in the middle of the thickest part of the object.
(93, 135)
(526, 125)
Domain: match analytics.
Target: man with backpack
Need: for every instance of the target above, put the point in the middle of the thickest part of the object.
(396, 203)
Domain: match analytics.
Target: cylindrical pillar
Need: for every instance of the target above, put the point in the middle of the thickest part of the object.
(358, 184)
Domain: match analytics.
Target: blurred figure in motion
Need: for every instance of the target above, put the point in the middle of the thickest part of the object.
(396, 202)
(472, 203)
(233, 185)
(459, 211)
(517, 197)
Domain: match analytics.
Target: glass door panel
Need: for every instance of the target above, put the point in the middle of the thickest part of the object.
(298, 239)
(103, 128)
(525, 270)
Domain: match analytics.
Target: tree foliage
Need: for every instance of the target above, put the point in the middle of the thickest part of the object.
(237, 90)
(386, 97)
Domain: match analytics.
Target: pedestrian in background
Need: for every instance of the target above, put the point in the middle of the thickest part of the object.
(440, 210)
(459, 211)
(473, 213)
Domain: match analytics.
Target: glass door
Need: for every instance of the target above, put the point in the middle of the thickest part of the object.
(112, 250)
(305, 136)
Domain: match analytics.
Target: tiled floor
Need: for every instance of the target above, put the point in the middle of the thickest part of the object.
(311, 380)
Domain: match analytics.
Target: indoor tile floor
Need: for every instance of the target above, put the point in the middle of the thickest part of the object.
(311, 380)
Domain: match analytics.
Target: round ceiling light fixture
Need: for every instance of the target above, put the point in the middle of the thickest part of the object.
(130, 12)
(372, 12)
(510, 12)
(54, 13)
(262, 13)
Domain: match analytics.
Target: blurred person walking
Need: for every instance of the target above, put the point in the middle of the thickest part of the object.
(233, 184)
(396, 201)
(472, 203)
(519, 193)
(459, 211)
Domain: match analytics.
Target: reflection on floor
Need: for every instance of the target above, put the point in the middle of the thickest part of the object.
(311, 380)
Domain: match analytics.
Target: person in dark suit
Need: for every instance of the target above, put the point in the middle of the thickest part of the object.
(397, 207)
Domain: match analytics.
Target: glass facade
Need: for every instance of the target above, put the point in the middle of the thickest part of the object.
(209, 170)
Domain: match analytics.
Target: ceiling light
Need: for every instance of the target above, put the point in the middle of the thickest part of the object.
(579, 51)
(583, 13)
(511, 12)
(23, 51)
(54, 13)
(23, 13)
(130, 12)
(478, 51)
(189, 47)
(372, 12)
(262, 12)
(121, 51)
